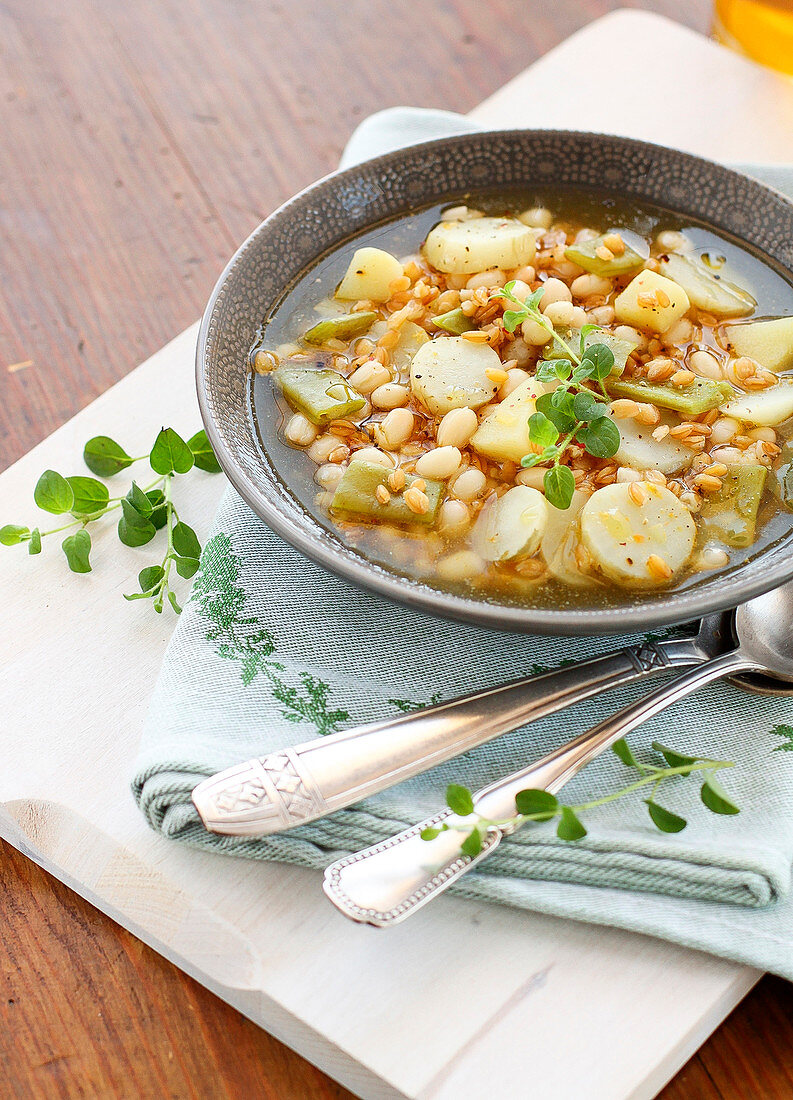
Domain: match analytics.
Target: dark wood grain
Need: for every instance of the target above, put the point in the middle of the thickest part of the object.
(140, 142)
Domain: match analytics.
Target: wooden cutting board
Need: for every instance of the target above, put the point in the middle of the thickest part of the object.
(465, 999)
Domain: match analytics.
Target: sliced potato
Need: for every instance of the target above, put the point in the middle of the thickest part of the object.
(451, 373)
(770, 343)
(463, 247)
(628, 540)
(765, 408)
(706, 290)
(504, 433)
(639, 450)
(370, 274)
(651, 301)
(561, 538)
(411, 337)
(511, 526)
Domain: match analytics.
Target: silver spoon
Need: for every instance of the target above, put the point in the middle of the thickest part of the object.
(299, 784)
(385, 883)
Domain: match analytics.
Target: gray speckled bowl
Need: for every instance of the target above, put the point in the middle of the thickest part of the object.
(347, 203)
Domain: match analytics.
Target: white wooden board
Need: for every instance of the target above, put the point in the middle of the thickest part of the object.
(465, 999)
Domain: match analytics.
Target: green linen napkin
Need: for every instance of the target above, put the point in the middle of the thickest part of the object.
(271, 650)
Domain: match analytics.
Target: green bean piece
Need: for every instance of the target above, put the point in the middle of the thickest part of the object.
(455, 322)
(705, 289)
(702, 395)
(584, 254)
(620, 349)
(346, 327)
(355, 497)
(320, 394)
(782, 482)
(730, 515)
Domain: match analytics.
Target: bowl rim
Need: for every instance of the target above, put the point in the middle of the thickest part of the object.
(680, 606)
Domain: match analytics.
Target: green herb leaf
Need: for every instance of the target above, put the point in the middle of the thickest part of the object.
(150, 577)
(602, 359)
(530, 802)
(12, 534)
(583, 371)
(513, 318)
(459, 800)
(140, 501)
(159, 512)
(601, 437)
(553, 370)
(541, 431)
(104, 457)
(77, 547)
(548, 455)
(133, 528)
(203, 455)
(185, 541)
(186, 567)
(663, 819)
(429, 833)
(34, 546)
(622, 749)
(570, 827)
(172, 601)
(673, 758)
(472, 845)
(586, 406)
(559, 485)
(585, 331)
(170, 454)
(90, 496)
(53, 493)
(558, 407)
(716, 798)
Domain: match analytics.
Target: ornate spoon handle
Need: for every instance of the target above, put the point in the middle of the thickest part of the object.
(298, 784)
(385, 883)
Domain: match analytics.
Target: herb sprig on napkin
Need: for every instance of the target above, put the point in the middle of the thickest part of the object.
(142, 511)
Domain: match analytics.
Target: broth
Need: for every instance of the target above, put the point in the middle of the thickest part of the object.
(527, 575)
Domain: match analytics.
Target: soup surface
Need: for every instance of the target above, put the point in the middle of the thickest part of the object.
(558, 400)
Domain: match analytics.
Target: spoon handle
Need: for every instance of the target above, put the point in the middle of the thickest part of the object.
(385, 883)
(303, 782)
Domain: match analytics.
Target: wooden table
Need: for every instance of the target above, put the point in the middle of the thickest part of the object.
(140, 143)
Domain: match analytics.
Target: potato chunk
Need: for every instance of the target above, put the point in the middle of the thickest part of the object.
(511, 526)
(451, 373)
(768, 342)
(651, 301)
(637, 545)
(764, 408)
(464, 247)
(640, 450)
(369, 275)
(504, 432)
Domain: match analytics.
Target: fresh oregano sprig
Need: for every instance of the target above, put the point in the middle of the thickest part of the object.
(572, 412)
(539, 805)
(143, 510)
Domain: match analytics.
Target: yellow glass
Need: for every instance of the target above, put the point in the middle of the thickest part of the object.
(761, 29)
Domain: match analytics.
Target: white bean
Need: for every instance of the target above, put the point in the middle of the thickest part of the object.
(372, 454)
(390, 396)
(322, 448)
(627, 473)
(439, 463)
(525, 274)
(329, 476)
(369, 376)
(554, 290)
(458, 425)
(534, 477)
(453, 516)
(539, 216)
(705, 364)
(492, 278)
(680, 332)
(670, 240)
(395, 429)
(534, 333)
(723, 430)
(460, 566)
(469, 484)
(713, 557)
(627, 332)
(601, 315)
(300, 430)
(587, 285)
(560, 314)
(767, 435)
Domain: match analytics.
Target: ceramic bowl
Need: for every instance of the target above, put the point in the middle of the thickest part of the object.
(348, 203)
